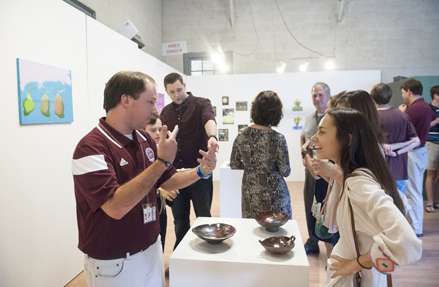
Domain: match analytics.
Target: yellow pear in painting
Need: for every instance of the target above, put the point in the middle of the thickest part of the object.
(59, 106)
(45, 105)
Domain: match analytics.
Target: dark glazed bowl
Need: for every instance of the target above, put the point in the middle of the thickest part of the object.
(214, 233)
(271, 220)
(278, 244)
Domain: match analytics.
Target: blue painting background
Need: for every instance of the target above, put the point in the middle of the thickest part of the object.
(52, 88)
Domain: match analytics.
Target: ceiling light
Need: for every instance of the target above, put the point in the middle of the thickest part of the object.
(329, 65)
(223, 68)
(281, 68)
(217, 53)
(304, 67)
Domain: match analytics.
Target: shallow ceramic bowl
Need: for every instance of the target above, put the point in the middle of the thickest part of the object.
(271, 220)
(278, 244)
(214, 233)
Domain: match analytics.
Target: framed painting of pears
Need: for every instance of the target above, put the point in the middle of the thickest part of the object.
(44, 93)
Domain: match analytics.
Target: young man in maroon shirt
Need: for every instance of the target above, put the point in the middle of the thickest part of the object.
(116, 171)
(197, 130)
(421, 116)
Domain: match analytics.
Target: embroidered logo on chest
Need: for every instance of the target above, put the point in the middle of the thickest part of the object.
(150, 154)
(123, 162)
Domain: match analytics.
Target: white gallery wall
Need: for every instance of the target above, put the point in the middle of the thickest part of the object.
(289, 86)
(37, 209)
(38, 242)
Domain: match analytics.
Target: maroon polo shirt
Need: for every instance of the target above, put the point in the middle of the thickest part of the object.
(104, 160)
(397, 127)
(421, 116)
(190, 116)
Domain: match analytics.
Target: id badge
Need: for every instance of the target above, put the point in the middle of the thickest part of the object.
(149, 212)
(315, 209)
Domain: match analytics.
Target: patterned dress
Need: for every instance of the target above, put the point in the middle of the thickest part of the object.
(263, 155)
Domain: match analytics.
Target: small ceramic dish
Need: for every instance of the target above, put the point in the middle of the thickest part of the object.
(271, 220)
(214, 233)
(278, 244)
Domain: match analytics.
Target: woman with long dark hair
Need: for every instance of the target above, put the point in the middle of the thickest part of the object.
(384, 237)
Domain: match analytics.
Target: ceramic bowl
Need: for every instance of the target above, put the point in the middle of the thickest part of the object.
(278, 244)
(271, 220)
(214, 233)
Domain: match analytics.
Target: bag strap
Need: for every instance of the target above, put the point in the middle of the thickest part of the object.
(353, 228)
(358, 274)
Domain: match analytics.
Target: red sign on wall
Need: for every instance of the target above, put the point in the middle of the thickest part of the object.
(174, 48)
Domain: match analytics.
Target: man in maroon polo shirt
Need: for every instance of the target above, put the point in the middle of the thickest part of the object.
(116, 171)
(421, 116)
(197, 130)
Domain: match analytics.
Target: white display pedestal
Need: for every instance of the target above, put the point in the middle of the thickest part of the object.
(230, 191)
(240, 260)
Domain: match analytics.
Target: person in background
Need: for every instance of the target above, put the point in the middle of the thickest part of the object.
(432, 180)
(197, 131)
(116, 171)
(421, 116)
(164, 197)
(263, 155)
(320, 94)
(385, 238)
(333, 100)
(362, 101)
(400, 134)
(332, 174)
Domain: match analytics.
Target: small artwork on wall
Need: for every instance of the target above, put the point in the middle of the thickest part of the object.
(225, 101)
(160, 102)
(44, 93)
(223, 135)
(297, 125)
(297, 107)
(214, 110)
(228, 116)
(241, 106)
(240, 127)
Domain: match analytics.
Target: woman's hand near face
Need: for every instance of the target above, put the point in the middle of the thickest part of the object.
(306, 146)
(327, 170)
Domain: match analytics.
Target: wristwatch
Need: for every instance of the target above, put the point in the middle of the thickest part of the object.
(167, 163)
(396, 152)
(304, 153)
(213, 136)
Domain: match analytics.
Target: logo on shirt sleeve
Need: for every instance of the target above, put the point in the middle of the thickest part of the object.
(150, 154)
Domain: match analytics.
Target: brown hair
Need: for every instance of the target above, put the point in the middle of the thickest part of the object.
(414, 86)
(358, 148)
(333, 100)
(434, 90)
(154, 119)
(124, 83)
(381, 94)
(172, 78)
(266, 109)
(361, 101)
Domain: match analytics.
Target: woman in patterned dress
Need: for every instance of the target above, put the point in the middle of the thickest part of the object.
(263, 155)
